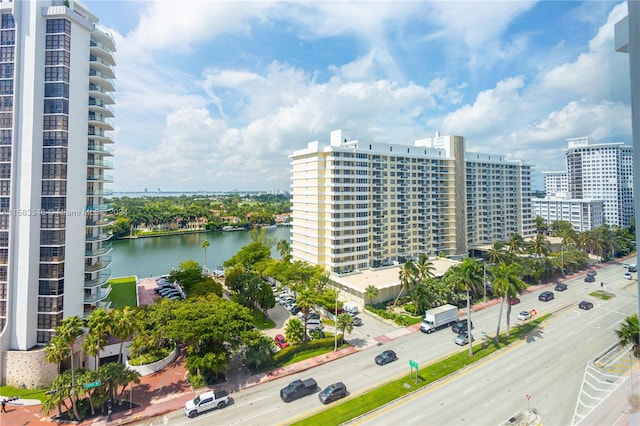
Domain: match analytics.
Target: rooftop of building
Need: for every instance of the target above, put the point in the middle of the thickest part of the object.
(385, 277)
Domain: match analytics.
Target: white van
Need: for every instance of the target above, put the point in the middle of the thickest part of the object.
(350, 308)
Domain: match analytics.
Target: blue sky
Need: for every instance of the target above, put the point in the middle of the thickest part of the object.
(216, 95)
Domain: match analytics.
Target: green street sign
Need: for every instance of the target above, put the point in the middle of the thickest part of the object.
(413, 364)
(92, 384)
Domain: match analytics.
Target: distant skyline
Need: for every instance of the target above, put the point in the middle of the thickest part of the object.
(214, 96)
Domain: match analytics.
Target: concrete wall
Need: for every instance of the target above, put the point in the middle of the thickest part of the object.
(28, 369)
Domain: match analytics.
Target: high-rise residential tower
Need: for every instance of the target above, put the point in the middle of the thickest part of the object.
(359, 205)
(596, 188)
(56, 104)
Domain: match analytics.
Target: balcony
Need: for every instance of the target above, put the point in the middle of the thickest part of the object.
(102, 294)
(105, 262)
(94, 222)
(100, 178)
(100, 251)
(99, 192)
(103, 278)
(100, 163)
(100, 149)
(103, 236)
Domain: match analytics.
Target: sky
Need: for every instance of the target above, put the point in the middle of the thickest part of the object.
(215, 96)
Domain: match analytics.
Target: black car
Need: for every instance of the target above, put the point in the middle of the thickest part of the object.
(386, 357)
(357, 321)
(332, 392)
(585, 305)
(592, 273)
(545, 296)
(589, 279)
(460, 326)
(560, 287)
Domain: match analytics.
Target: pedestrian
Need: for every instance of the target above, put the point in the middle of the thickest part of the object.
(4, 405)
(601, 285)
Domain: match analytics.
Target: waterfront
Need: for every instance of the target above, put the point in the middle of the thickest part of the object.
(145, 257)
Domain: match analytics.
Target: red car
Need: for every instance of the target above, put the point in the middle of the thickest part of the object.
(514, 301)
(280, 341)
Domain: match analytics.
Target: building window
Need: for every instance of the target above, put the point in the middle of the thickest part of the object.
(57, 57)
(7, 21)
(6, 87)
(58, 41)
(7, 53)
(56, 106)
(56, 122)
(7, 37)
(55, 139)
(58, 26)
(56, 74)
(55, 90)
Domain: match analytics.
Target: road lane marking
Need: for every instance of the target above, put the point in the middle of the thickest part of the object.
(490, 402)
(469, 389)
(531, 376)
(415, 419)
(257, 415)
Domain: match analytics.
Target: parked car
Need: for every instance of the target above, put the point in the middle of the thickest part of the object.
(357, 321)
(560, 287)
(589, 279)
(524, 315)
(280, 341)
(463, 338)
(460, 326)
(514, 301)
(311, 315)
(545, 296)
(386, 357)
(627, 276)
(585, 305)
(176, 297)
(332, 392)
(314, 324)
(295, 309)
(592, 273)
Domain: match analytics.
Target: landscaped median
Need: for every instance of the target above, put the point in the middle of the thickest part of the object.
(384, 394)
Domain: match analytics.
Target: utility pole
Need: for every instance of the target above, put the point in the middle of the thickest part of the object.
(335, 338)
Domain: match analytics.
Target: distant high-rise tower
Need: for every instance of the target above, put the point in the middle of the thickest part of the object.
(56, 85)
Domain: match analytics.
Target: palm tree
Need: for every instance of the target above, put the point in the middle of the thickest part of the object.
(56, 351)
(122, 325)
(629, 334)
(408, 276)
(371, 291)
(469, 277)
(516, 244)
(507, 284)
(204, 245)
(305, 301)
(294, 331)
(425, 268)
(345, 323)
(98, 323)
(68, 332)
(496, 253)
(540, 246)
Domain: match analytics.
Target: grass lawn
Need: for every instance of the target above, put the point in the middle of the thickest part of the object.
(123, 292)
(602, 294)
(260, 322)
(9, 391)
(311, 353)
(378, 397)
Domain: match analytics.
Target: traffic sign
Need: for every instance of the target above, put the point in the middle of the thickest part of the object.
(92, 384)
(413, 364)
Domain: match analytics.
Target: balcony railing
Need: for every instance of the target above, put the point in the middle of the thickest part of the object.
(102, 294)
(105, 262)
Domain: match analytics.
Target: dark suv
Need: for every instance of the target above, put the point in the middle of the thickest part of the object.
(560, 287)
(545, 296)
(460, 326)
(333, 392)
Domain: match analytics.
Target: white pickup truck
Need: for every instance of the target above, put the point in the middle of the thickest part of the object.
(205, 402)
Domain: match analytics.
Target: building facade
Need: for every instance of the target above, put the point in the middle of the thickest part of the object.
(57, 84)
(602, 171)
(583, 215)
(598, 176)
(359, 205)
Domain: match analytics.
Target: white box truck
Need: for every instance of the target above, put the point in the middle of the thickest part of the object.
(442, 316)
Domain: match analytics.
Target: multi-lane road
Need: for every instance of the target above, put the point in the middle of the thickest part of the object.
(549, 367)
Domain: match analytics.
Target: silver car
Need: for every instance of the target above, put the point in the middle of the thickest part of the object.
(462, 339)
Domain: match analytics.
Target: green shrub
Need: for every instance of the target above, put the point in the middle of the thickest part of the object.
(286, 354)
(195, 381)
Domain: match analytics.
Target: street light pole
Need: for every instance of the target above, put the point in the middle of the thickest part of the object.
(562, 258)
(335, 337)
(484, 281)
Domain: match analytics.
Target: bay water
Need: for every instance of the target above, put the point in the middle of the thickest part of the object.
(155, 256)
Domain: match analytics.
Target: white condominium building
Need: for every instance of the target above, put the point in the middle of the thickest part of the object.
(56, 85)
(597, 187)
(555, 183)
(359, 205)
(583, 214)
(602, 171)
